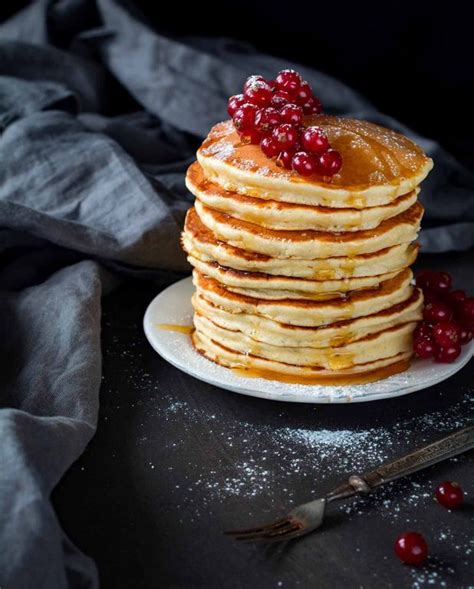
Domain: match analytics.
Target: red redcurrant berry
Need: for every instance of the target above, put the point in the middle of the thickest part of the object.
(446, 333)
(423, 279)
(251, 80)
(304, 163)
(449, 494)
(250, 136)
(440, 282)
(424, 348)
(244, 117)
(430, 297)
(269, 147)
(235, 102)
(330, 162)
(285, 135)
(447, 354)
(266, 119)
(436, 312)
(304, 93)
(455, 297)
(423, 331)
(280, 98)
(411, 548)
(314, 139)
(289, 80)
(258, 92)
(272, 84)
(467, 310)
(465, 334)
(292, 114)
(253, 136)
(285, 158)
(313, 106)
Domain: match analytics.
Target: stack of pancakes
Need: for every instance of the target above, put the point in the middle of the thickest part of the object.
(306, 279)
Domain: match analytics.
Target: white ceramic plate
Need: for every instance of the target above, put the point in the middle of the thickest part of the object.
(173, 306)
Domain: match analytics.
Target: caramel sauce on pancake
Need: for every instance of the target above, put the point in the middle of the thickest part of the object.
(372, 155)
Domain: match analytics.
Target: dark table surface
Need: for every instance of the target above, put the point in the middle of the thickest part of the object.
(175, 461)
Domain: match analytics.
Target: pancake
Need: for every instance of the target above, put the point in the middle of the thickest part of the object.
(201, 243)
(273, 214)
(309, 244)
(334, 335)
(301, 287)
(385, 344)
(306, 312)
(379, 165)
(254, 366)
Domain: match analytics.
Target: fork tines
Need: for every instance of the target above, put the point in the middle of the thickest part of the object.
(283, 529)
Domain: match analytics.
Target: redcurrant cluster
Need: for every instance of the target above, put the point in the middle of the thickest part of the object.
(448, 318)
(270, 113)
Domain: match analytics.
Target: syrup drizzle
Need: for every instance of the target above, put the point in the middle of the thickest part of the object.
(188, 329)
(328, 380)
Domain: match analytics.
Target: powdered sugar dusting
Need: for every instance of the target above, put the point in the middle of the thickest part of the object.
(298, 458)
(222, 150)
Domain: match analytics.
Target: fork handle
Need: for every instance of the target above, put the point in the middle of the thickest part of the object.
(447, 447)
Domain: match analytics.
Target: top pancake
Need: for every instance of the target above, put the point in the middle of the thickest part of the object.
(379, 165)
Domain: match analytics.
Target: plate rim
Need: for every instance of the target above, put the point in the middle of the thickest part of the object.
(292, 397)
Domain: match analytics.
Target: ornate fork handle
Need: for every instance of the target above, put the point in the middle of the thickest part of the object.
(447, 447)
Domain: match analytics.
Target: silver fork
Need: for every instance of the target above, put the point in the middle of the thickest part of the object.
(309, 516)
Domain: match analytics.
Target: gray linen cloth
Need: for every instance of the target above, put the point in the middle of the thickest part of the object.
(99, 118)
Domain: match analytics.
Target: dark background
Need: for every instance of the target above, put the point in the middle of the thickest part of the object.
(413, 60)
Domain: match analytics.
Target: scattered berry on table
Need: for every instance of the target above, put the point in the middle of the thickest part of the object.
(449, 494)
(411, 548)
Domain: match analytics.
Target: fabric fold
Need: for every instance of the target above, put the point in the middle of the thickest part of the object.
(50, 341)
